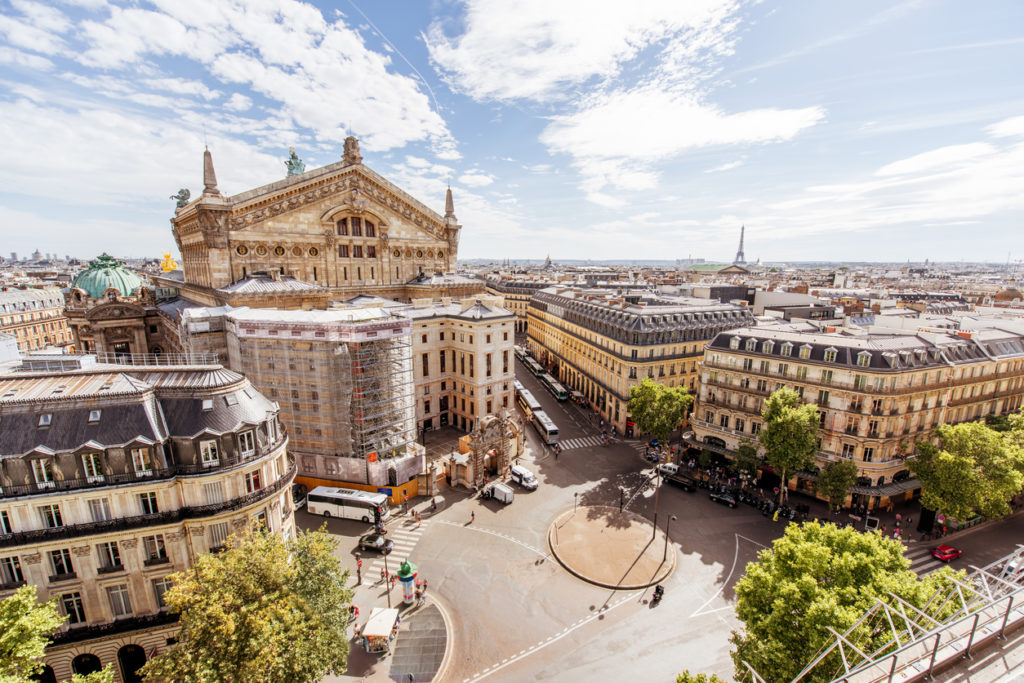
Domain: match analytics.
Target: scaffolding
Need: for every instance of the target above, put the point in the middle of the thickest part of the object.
(383, 391)
(917, 643)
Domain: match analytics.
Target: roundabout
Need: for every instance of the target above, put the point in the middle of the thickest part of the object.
(612, 549)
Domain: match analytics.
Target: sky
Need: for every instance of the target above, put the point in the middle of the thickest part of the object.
(583, 129)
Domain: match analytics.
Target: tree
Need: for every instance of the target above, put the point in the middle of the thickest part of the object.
(815, 578)
(658, 409)
(25, 629)
(975, 469)
(745, 459)
(835, 481)
(789, 435)
(687, 677)
(263, 609)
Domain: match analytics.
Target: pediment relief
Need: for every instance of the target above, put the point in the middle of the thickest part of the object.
(115, 311)
(353, 189)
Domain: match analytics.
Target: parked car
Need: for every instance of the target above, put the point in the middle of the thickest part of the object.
(724, 499)
(376, 542)
(667, 468)
(681, 480)
(1013, 570)
(523, 477)
(946, 553)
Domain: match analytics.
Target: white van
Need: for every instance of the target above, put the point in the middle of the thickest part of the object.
(499, 492)
(523, 477)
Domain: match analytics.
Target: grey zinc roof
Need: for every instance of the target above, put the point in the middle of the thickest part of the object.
(186, 417)
(261, 284)
(70, 429)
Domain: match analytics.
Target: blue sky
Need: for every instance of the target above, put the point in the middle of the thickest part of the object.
(867, 130)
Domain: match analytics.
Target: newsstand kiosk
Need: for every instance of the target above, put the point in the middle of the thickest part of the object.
(380, 629)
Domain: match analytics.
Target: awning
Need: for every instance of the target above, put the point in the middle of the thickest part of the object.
(381, 622)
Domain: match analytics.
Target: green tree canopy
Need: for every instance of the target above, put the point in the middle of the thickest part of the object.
(975, 469)
(817, 577)
(263, 609)
(835, 481)
(658, 409)
(687, 677)
(25, 629)
(789, 434)
(745, 459)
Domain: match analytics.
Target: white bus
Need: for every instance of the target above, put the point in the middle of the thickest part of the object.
(546, 427)
(348, 504)
(528, 403)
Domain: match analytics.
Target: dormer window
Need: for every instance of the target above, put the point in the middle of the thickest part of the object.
(890, 358)
(768, 346)
(864, 359)
(786, 349)
(830, 355)
(44, 419)
(805, 351)
(751, 345)
(94, 416)
(734, 343)
(43, 472)
(231, 400)
(207, 404)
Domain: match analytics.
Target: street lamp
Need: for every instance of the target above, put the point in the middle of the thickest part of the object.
(664, 555)
(622, 497)
(575, 500)
(387, 578)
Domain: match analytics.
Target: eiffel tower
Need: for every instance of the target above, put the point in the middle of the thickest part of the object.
(740, 260)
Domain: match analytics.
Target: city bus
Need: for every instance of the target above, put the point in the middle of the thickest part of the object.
(555, 387)
(518, 386)
(520, 352)
(528, 403)
(533, 366)
(365, 506)
(546, 427)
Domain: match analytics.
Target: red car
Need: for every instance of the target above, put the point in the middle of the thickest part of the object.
(946, 553)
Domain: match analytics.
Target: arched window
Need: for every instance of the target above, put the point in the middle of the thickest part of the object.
(85, 664)
(131, 658)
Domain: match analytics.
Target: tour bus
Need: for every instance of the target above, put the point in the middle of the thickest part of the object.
(365, 506)
(545, 427)
(528, 403)
(555, 387)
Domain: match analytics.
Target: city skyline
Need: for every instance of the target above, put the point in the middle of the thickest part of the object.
(875, 133)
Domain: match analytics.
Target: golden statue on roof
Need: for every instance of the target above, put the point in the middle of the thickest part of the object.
(168, 264)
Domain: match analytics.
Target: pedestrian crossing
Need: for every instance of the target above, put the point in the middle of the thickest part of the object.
(921, 560)
(580, 442)
(405, 537)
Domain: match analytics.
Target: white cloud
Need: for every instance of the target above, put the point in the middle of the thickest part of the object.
(476, 179)
(1012, 127)
(182, 86)
(9, 55)
(238, 102)
(320, 73)
(537, 49)
(725, 167)
(944, 157)
(24, 34)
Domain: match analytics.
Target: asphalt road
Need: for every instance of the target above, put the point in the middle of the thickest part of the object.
(519, 616)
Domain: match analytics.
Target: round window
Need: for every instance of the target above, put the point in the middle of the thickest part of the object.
(261, 250)
(241, 250)
(397, 254)
(440, 254)
(279, 251)
(313, 251)
(419, 254)
(297, 251)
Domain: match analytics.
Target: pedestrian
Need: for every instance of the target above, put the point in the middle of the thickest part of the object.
(472, 516)
(383, 575)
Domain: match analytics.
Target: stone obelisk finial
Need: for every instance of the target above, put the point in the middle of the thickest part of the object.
(209, 177)
(449, 204)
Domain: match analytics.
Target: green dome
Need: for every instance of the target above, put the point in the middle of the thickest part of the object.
(106, 272)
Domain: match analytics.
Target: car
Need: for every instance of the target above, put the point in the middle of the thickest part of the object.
(376, 542)
(667, 468)
(683, 481)
(724, 499)
(946, 553)
(523, 477)
(299, 496)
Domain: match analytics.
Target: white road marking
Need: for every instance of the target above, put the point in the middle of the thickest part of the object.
(498, 534)
(551, 639)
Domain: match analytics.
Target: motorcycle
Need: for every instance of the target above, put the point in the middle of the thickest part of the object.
(659, 592)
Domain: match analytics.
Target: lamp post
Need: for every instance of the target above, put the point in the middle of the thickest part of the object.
(657, 470)
(664, 555)
(622, 497)
(387, 574)
(575, 501)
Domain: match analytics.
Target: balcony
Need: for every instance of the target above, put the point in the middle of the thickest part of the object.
(155, 561)
(81, 633)
(143, 521)
(148, 476)
(56, 578)
(13, 585)
(114, 568)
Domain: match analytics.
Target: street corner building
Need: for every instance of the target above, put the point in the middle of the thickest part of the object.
(115, 475)
(877, 394)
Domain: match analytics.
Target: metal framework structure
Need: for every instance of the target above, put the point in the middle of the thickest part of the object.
(382, 397)
(985, 606)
